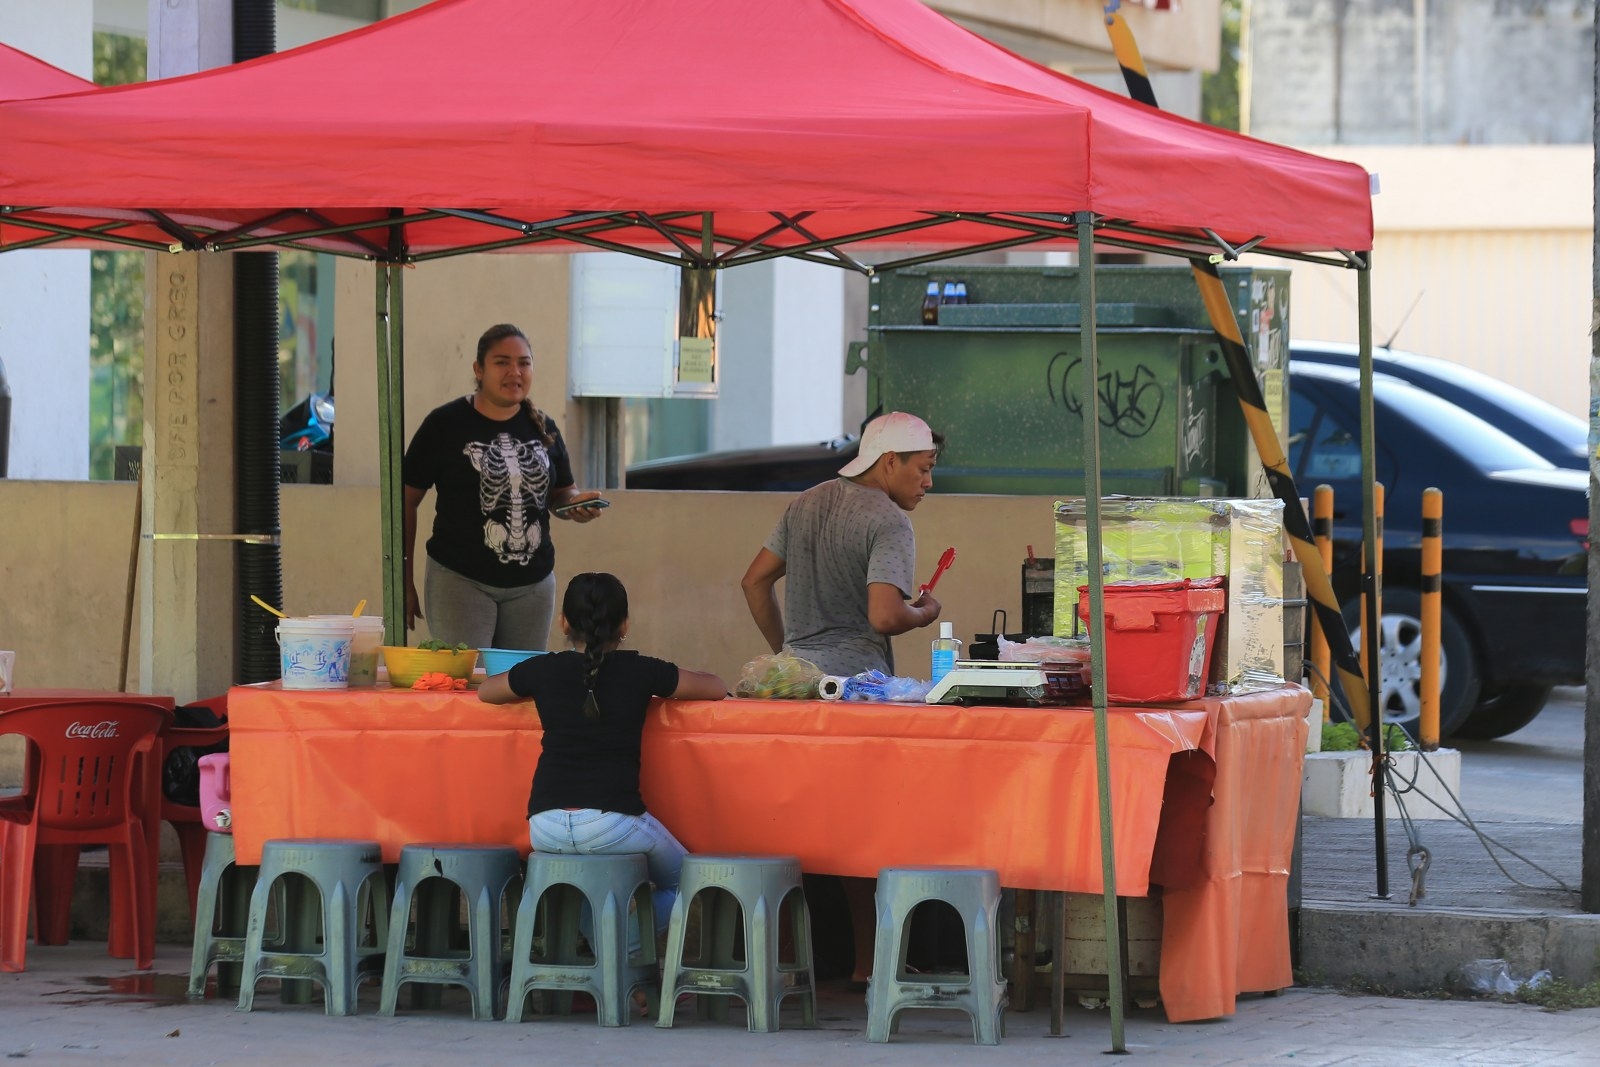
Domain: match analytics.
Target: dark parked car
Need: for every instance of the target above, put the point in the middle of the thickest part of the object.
(778, 469)
(1515, 536)
(1558, 436)
(1515, 533)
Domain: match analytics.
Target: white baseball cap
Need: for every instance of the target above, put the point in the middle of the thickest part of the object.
(895, 432)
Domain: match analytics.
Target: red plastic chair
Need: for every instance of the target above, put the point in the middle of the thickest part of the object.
(187, 820)
(92, 779)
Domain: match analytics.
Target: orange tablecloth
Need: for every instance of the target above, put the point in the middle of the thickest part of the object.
(849, 788)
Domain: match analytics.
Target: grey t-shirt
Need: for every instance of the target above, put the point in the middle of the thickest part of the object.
(835, 539)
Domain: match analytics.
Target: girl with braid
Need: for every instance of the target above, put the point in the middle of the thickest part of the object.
(592, 703)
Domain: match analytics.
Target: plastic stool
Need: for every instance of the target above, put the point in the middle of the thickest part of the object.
(435, 878)
(221, 916)
(975, 894)
(754, 888)
(558, 884)
(342, 875)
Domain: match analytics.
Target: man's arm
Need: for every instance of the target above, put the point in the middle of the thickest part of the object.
(890, 613)
(760, 593)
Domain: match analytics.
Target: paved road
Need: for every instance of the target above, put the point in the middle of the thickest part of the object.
(1533, 775)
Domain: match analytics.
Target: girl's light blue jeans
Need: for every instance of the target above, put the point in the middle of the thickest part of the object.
(612, 833)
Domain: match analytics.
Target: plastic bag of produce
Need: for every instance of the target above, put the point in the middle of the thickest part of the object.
(780, 675)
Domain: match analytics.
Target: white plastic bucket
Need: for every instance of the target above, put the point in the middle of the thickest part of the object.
(364, 645)
(315, 653)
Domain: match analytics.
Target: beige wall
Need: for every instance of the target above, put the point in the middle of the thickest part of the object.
(1493, 245)
(448, 303)
(64, 553)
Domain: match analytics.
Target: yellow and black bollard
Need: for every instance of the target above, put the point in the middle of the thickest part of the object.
(1432, 564)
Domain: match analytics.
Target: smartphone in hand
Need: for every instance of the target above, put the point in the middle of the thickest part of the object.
(597, 502)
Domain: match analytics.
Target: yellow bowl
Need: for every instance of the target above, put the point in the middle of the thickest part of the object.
(406, 665)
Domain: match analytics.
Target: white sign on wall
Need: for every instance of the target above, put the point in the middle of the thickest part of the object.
(625, 332)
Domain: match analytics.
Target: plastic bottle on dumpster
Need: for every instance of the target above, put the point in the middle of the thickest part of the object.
(930, 305)
(946, 649)
(948, 294)
(961, 292)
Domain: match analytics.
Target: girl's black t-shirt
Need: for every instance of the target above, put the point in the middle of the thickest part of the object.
(491, 519)
(591, 763)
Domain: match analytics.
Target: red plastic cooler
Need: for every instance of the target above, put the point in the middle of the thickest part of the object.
(1158, 637)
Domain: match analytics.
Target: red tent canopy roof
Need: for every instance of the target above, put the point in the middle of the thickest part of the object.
(23, 77)
(794, 124)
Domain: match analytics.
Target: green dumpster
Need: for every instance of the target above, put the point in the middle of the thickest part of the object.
(1001, 376)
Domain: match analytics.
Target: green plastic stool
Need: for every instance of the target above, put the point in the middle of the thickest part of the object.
(557, 885)
(340, 884)
(981, 993)
(221, 915)
(435, 878)
(753, 888)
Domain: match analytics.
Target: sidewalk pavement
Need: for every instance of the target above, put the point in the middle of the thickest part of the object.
(1471, 909)
(76, 1007)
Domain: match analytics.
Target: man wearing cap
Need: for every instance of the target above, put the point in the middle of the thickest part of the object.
(849, 556)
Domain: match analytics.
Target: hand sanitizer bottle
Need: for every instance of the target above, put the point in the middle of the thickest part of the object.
(946, 649)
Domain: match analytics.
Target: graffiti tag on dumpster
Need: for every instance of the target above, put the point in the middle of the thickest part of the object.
(1130, 402)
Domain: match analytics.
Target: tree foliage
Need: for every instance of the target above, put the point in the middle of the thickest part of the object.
(116, 303)
(1219, 91)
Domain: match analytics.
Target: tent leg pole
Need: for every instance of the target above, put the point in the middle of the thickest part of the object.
(391, 429)
(1089, 352)
(1372, 581)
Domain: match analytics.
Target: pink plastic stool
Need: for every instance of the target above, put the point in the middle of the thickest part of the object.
(216, 793)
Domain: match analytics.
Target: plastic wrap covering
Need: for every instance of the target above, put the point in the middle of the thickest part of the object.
(1156, 539)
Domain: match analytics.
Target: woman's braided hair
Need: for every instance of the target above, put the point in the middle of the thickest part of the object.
(595, 607)
(494, 335)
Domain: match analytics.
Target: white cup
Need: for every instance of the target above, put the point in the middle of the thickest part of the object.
(7, 659)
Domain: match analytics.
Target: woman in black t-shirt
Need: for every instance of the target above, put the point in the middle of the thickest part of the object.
(500, 466)
(592, 703)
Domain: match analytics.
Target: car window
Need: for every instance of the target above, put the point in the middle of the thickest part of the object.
(1332, 451)
(1325, 448)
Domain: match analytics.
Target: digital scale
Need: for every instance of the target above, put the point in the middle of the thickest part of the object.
(985, 681)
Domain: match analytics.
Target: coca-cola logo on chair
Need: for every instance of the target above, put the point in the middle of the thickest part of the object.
(92, 729)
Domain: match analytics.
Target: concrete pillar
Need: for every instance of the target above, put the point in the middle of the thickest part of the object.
(44, 294)
(186, 594)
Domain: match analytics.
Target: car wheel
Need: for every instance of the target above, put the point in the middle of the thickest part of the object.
(1400, 661)
(1504, 710)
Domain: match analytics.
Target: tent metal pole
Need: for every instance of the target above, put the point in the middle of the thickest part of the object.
(394, 487)
(391, 427)
(1089, 352)
(1372, 582)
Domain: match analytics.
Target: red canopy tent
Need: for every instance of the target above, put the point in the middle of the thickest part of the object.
(808, 126)
(24, 77)
(705, 132)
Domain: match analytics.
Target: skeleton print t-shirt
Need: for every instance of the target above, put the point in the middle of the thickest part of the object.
(491, 521)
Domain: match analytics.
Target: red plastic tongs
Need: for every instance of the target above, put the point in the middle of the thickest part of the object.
(945, 560)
